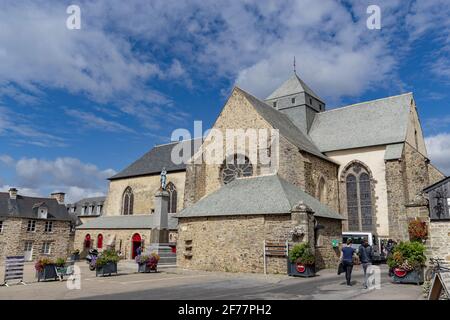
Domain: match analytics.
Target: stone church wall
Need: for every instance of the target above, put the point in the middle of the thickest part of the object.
(235, 243)
(326, 255)
(144, 189)
(318, 168)
(405, 179)
(122, 239)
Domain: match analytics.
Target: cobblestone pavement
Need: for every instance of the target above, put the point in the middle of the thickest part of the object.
(173, 284)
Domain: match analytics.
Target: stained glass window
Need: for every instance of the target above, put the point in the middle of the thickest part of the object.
(352, 203)
(237, 166)
(128, 202)
(359, 199)
(172, 197)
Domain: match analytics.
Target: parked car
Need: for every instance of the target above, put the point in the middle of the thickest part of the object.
(379, 255)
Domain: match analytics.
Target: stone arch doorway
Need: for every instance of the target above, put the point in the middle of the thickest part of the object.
(87, 242)
(100, 241)
(136, 242)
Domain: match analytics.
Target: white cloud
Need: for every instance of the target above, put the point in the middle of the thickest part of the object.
(438, 147)
(20, 130)
(90, 120)
(41, 177)
(6, 159)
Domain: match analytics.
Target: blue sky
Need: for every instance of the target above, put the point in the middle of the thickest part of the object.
(78, 105)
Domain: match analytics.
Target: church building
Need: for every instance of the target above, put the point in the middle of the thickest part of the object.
(364, 163)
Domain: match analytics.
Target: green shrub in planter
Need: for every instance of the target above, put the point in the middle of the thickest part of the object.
(107, 262)
(301, 261)
(407, 262)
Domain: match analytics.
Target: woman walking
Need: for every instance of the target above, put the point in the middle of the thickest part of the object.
(347, 260)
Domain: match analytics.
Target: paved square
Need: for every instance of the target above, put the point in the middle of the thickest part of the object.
(174, 284)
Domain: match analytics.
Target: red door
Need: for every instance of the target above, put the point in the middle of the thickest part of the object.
(100, 241)
(136, 243)
(87, 241)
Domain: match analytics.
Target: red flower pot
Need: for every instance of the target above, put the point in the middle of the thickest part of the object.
(300, 268)
(400, 272)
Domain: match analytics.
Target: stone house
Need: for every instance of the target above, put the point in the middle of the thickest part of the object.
(366, 162)
(35, 227)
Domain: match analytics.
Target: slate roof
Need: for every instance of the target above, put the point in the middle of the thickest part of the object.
(255, 196)
(287, 128)
(436, 184)
(393, 151)
(23, 207)
(154, 161)
(377, 122)
(126, 222)
(93, 201)
(293, 85)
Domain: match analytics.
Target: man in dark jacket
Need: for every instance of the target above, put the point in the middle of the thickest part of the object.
(365, 256)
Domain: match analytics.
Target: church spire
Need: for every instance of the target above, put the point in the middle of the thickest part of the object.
(295, 70)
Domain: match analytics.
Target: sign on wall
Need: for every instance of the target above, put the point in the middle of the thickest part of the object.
(14, 269)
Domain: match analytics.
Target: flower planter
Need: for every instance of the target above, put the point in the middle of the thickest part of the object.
(48, 273)
(402, 276)
(144, 268)
(75, 257)
(300, 270)
(107, 269)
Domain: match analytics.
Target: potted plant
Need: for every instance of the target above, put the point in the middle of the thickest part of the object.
(75, 255)
(407, 262)
(45, 269)
(106, 263)
(301, 261)
(147, 263)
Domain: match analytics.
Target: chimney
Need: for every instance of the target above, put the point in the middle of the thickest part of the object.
(59, 196)
(13, 193)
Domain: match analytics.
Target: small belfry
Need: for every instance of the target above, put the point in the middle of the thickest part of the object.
(297, 100)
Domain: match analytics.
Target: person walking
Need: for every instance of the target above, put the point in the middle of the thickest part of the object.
(365, 255)
(346, 259)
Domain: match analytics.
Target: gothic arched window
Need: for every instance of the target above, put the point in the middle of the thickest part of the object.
(127, 202)
(234, 167)
(359, 198)
(172, 197)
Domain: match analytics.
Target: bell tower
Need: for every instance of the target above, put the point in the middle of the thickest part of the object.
(297, 101)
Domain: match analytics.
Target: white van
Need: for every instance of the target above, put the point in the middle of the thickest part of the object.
(358, 239)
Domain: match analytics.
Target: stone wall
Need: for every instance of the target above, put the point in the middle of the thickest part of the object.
(318, 168)
(235, 243)
(434, 174)
(123, 238)
(405, 179)
(326, 255)
(15, 234)
(144, 189)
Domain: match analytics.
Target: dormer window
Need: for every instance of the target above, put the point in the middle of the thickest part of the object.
(83, 210)
(99, 209)
(275, 104)
(42, 212)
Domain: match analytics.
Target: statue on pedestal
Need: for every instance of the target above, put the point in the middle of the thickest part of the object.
(163, 179)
